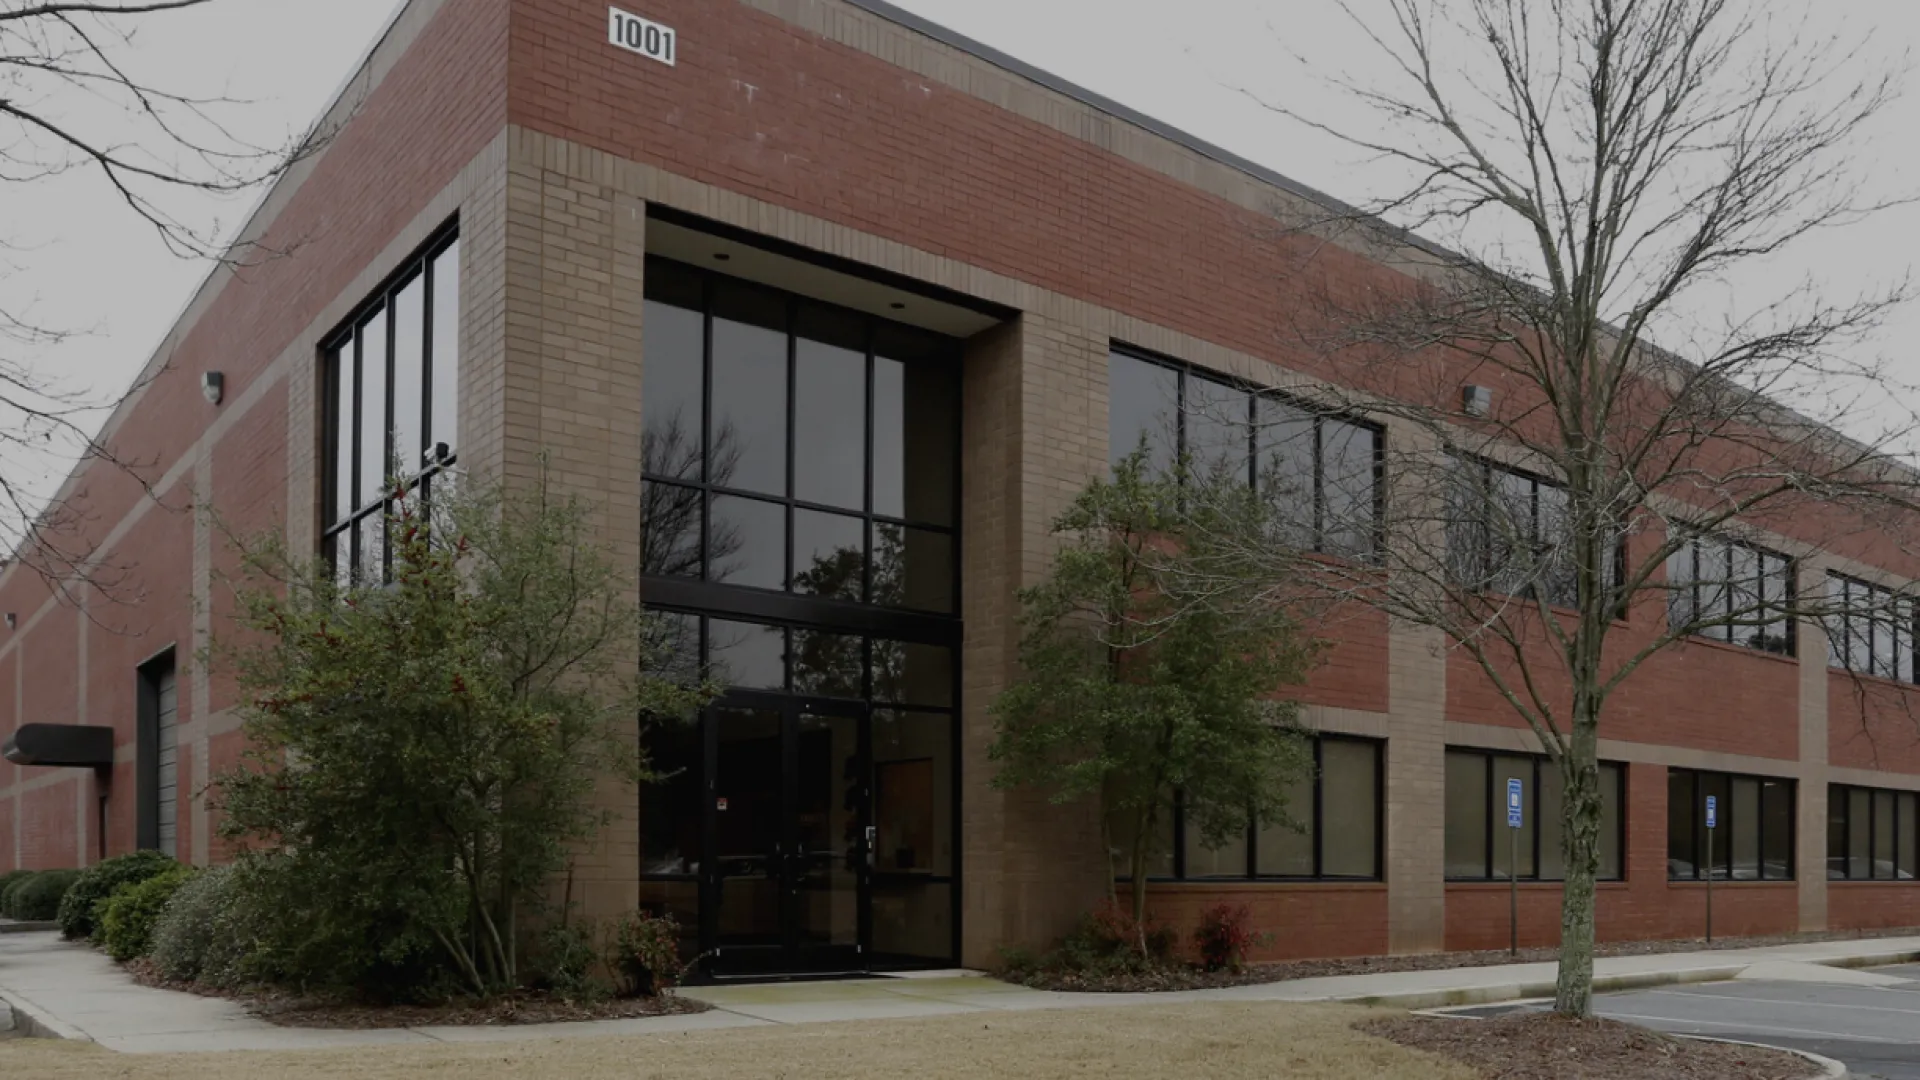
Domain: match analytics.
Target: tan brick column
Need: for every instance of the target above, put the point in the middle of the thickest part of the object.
(1810, 846)
(570, 389)
(1416, 748)
(1034, 430)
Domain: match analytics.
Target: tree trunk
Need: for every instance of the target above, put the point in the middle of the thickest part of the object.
(1142, 836)
(1580, 825)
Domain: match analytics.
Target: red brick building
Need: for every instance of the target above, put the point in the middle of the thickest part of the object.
(847, 307)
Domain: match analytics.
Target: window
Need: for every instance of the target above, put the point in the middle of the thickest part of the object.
(1752, 838)
(1870, 630)
(393, 405)
(1478, 848)
(1741, 591)
(1871, 834)
(1506, 533)
(795, 447)
(1323, 470)
(1338, 808)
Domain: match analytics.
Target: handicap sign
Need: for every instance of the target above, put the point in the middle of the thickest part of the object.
(1513, 804)
(1713, 815)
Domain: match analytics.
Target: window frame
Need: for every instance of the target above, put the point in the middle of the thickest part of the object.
(1178, 828)
(1486, 582)
(1184, 372)
(1726, 826)
(346, 342)
(1694, 545)
(1496, 822)
(1841, 640)
(1838, 795)
(761, 601)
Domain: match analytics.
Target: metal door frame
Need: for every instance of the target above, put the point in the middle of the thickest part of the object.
(789, 956)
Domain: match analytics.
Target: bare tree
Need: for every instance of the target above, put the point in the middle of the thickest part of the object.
(1606, 164)
(77, 107)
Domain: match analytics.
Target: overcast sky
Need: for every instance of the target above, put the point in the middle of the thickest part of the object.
(84, 263)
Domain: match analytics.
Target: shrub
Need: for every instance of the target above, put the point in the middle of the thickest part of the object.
(1224, 937)
(42, 896)
(569, 959)
(645, 955)
(78, 918)
(8, 882)
(189, 933)
(425, 757)
(127, 917)
(1107, 942)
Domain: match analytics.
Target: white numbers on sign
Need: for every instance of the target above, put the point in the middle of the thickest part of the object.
(648, 38)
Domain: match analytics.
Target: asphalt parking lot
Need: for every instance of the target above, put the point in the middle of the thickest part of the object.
(1870, 1020)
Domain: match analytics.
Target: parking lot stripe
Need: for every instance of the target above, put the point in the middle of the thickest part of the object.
(1777, 1001)
(1770, 1029)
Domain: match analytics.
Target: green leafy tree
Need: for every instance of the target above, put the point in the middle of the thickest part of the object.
(426, 751)
(1136, 686)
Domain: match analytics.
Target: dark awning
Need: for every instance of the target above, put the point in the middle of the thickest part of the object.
(61, 746)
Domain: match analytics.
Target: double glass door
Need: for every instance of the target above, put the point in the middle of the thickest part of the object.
(791, 836)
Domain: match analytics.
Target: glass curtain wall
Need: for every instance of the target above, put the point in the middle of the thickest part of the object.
(800, 521)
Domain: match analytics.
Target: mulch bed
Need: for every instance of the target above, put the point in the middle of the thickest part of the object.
(1190, 978)
(306, 1011)
(1548, 1047)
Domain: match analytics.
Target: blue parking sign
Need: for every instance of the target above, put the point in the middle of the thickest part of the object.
(1713, 812)
(1513, 803)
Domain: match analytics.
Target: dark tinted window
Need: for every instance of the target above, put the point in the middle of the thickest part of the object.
(1752, 837)
(392, 403)
(1320, 473)
(1337, 809)
(830, 410)
(1481, 846)
(873, 424)
(750, 388)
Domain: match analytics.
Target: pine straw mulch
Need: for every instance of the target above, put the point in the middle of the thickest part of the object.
(1539, 1046)
(1187, 977)
(289, 1009)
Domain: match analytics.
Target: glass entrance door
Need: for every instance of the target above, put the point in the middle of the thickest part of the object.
(790, 807)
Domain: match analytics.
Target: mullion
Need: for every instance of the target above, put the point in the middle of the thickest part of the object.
(706, 425)
(867, 527)
(793, 366)
(1319, 484)
(1537, 823)
(1319, 805)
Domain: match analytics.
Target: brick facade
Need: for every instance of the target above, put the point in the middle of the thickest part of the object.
(822, 124)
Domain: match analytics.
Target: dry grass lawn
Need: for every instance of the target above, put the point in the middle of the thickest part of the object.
(1218, 1042)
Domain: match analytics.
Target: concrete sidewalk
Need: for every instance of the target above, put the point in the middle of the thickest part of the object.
(75, 992)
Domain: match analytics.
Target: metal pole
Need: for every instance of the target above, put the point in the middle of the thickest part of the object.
(1513, 892)
(1709, 886)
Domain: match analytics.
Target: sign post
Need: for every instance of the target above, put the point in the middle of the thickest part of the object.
(1713, 820)
(1515, 800)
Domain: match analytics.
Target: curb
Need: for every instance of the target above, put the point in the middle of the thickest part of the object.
(1490, 995)
(7, 927)
(1835, 1070)
(20, 1020)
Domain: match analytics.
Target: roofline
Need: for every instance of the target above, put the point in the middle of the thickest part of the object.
(257, 220)
(1262, 173)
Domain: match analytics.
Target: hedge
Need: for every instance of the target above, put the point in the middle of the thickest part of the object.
(7, 881)
(78, 915)
(39, 898)
(127, 917)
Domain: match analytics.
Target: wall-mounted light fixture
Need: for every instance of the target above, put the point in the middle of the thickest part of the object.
(12, 620)
(213, 384)
(1476, 400)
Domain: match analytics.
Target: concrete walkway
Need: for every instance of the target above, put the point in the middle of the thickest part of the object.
(75, 992)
